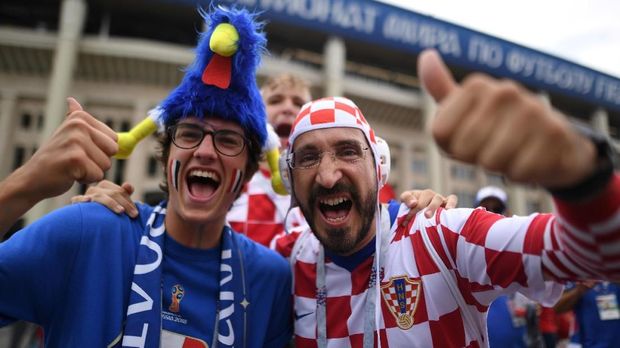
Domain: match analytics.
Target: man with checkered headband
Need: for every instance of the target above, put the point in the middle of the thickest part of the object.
(363, 279)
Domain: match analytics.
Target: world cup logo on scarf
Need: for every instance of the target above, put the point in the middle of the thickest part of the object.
(177, 295)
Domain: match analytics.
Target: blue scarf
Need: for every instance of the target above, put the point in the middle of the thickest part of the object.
(143, 324)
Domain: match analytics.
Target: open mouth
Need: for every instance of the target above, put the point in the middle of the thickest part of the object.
(335, 209)
(284, 129)
(202, 184)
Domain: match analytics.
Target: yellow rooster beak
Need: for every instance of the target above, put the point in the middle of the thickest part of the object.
(224, 40)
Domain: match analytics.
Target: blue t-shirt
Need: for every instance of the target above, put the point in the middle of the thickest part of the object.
(503, 332)
(71, 273)
(593, 331)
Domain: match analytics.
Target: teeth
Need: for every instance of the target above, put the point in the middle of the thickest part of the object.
(336, 220)
(333, 201)
(204, 174)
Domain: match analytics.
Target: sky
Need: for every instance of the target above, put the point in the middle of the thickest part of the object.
(581, 31)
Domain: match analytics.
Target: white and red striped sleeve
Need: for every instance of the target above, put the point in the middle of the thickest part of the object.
(493, 253)
(587, 237)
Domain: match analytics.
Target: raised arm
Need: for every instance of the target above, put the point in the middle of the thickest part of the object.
(79, 150)
(570, 297)
(502, 127)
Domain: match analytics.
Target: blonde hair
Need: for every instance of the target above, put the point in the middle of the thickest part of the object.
(287, 80)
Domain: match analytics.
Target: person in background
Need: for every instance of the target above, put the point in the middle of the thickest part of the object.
(511, 320)
(493, 199)
(260, 212)
(597, 313)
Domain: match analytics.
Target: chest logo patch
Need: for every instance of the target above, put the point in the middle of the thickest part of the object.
(401, 295)
(177, 295)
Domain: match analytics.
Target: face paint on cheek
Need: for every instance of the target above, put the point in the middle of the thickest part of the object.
(175, 166)
(235, 183)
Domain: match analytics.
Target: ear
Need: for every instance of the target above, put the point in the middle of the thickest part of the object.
(383, 152)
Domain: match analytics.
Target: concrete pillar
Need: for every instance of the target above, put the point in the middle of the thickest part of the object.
(72, 15)
(600, 121)
(135, 168)
(7, 127)
(334, 66)
(435, 161)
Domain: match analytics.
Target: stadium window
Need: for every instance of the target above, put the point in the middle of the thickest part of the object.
(152, 166)
(40, 122)
(18, 156)
(495, 179)
(125, 125)
(26, 120)
(419, 166)
(466, 198)
(119, 171)
(461, 172)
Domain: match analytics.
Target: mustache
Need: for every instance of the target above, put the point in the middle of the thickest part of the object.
(319, 191)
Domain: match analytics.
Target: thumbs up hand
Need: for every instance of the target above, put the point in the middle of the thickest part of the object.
(79, 150)
(504, 128)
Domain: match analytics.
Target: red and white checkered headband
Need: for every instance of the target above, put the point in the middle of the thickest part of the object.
(333, 112)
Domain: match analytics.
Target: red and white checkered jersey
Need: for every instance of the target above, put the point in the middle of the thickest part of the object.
(259, 212)
(487, 254)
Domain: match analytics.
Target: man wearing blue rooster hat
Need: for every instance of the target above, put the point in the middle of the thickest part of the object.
(177, 276)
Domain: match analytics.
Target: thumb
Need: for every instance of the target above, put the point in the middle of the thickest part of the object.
(434, 74)
(73, 106)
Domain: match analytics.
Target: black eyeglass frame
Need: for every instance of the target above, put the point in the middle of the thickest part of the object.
(204, 132)
(290, 158)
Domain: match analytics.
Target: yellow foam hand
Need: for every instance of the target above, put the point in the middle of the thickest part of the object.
(127, 141)
(273, 157)
(224, 40)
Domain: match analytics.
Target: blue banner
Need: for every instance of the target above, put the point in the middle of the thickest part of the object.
(409, 31)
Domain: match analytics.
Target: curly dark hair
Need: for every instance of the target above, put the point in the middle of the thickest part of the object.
(163, 152)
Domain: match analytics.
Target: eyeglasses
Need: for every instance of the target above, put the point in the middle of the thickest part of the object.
(188, 136)
(349, 153)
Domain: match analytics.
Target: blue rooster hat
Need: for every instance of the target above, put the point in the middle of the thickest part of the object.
(221, 82)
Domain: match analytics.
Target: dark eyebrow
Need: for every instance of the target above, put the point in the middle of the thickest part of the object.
(348, 143)
(307, 147)
(340, 143)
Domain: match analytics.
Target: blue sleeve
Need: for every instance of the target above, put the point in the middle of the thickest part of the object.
(393, 207)
(36, 262)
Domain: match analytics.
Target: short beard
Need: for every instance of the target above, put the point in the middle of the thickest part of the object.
(342, 241)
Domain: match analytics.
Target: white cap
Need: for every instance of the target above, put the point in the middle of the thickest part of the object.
(491, 191)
